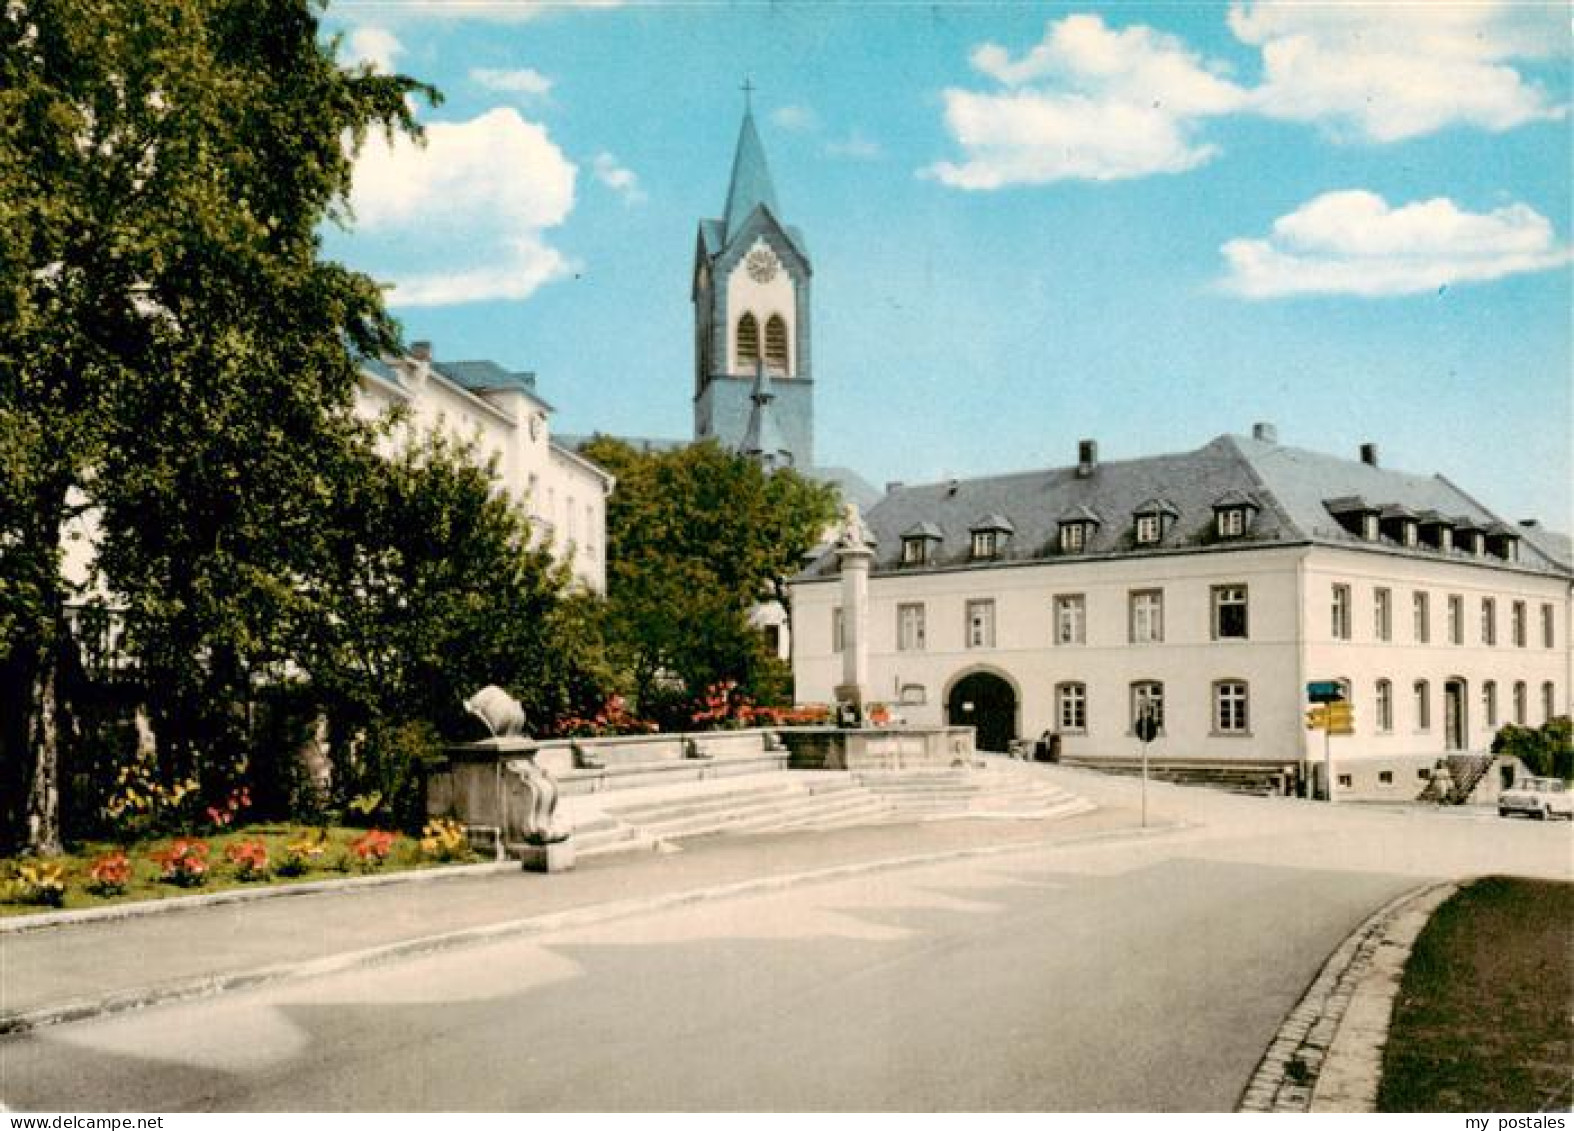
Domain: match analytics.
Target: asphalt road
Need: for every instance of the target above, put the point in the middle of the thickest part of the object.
(1140, 974)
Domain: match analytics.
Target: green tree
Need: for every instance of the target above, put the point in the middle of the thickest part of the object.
(1547, 750)
(434, 591)
(696, 538)
(174, 352)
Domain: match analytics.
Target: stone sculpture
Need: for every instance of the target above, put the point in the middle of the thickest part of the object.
(500, 711)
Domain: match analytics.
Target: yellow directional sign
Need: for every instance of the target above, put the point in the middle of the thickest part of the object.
(1341, 718)
(1317, 718)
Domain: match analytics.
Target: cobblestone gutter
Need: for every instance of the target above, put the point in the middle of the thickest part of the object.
(1328, 1054)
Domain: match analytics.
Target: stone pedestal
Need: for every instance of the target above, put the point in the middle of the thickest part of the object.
(555, 857)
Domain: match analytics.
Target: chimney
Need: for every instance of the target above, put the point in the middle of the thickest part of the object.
(1369, 454)
(1087, 457)
(1530, 523)
(421, 351)
(1265, 432)
(893, 485)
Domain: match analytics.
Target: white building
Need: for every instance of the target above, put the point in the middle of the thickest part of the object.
(506, 420)
(1215, 584)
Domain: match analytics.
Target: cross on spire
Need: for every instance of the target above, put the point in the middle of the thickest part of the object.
(748, 89)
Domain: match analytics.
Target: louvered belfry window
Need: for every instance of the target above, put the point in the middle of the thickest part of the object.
(748, 343)
(776, 344)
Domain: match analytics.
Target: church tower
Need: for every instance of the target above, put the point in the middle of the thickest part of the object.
(751, 319)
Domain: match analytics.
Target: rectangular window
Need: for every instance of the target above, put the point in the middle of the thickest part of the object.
(1488, 621)
(1147, 616)
(1521, 708)
(1456, 619)
(1549, 695)
(1340, 612)
(981, 624)
(1229, 612)
(1385, 777)
(1518, 621)
(909, 628)
(1423, 617)
(1147, 529)
(1232, 522)
(983, 543)
(1072, 706)
(1549, 635)
(1071, 538)
(1383, 613)
(1385, 706)
(1148, 696)
(1229, 707)
(1071, 619)
(914, 551)
(838, 630)
(1489, 702)
(1423, 698)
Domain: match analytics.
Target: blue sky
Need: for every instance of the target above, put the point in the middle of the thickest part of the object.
(1146, 224)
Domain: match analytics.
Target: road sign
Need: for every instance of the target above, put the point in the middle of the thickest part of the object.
(1317, 718)
(1325, 691)
(1341, 718)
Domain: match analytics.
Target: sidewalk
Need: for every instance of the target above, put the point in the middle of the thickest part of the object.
(81, 969)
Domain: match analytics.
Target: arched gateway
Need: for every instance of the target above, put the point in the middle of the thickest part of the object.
(987, 703)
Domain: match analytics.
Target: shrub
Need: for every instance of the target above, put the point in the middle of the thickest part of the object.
(184, 863)
(302, 852)
(1547, 750)
(222, 816)
(249, 859)
(372, 847)
(41, 884)
(109, 873)
(443, 838)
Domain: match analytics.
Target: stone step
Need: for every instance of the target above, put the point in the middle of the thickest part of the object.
(736, 818)
(641, 812)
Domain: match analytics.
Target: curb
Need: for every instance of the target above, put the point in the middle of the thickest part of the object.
(20, 924)
(13, 1024)
(1328, 1053)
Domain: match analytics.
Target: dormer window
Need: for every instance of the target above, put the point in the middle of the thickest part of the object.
(1356, 516)
(1502, 543)
(1077, 527)
(1436, 531)
(1152, 520)
(989, 536)
(918, 544)
(1399, 523)
(1232, 514)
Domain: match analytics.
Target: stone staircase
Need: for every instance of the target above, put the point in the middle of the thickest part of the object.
(1254, 779)
(654, 819)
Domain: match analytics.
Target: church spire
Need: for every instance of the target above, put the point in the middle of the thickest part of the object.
(751, 178)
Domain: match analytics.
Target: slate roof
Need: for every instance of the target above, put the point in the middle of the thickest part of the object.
(1289, 486)
(487, 376)
(750, 185)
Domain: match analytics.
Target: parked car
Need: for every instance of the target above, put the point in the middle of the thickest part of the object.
(1541, 798)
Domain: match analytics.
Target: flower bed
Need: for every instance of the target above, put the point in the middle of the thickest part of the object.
(100, 874)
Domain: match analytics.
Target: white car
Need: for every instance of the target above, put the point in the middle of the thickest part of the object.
(1541, 798)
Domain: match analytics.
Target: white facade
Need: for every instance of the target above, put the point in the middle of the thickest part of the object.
(564, 494)
(1082, 639)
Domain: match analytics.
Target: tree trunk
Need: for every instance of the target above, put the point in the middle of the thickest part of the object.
(43, 795)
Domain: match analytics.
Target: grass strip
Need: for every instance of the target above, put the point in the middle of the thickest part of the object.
(1484, 1020)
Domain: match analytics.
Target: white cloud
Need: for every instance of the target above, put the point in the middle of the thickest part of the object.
(1088, 102)
(524, 80)
(857, 147)
(798, 119)
(376, 46)
(1384, 73)
(480, 193)
(618, 178)
(1354, 243)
